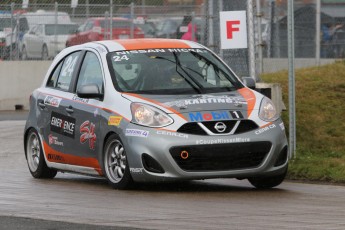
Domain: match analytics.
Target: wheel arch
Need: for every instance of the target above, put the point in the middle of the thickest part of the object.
(26, 133)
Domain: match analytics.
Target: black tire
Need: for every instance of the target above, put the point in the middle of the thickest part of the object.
(267, 182)
(24, 54)
(115, 163)
(45, 55)
(35, 159)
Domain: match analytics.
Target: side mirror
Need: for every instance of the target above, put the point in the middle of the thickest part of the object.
(89, 91)
(249, 82)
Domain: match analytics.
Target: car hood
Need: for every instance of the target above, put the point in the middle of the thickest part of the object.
(234, 100)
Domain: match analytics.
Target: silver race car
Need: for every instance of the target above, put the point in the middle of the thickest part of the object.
(149, 110)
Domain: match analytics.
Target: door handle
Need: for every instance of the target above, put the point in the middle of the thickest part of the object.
(70, 109)
(41, 104)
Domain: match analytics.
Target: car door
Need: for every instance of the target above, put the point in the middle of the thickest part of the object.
(56, 123)
(28, 41)
(86, 111)
(37, 41)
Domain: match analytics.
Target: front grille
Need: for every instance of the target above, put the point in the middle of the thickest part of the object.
(221, 157)
(211, 124)
(191, 128)
(195, 129)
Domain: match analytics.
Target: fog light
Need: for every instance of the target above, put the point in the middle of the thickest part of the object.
(184, 154)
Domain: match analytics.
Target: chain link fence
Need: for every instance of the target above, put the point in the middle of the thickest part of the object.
(42, 28)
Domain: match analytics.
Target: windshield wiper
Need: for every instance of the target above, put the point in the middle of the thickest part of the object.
(208, 61)
(190, 80)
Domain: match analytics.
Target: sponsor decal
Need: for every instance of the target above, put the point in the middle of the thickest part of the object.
(282, 126)
(54, 157)
(52, 101)
(136, 170)
(216, 115)
(114, 120)
(87, 130)
(222, 141)
(62, 124)
(236, 114)
(83, 100)
(173, 134)
(208, 99)
(53, 140)
(160, 51)
(136, 133)
(264, 129)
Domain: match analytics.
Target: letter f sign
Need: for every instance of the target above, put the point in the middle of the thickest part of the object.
(233, 29)
(230, 28)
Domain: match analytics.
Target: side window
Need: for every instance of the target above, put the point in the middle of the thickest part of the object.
(89, 25)
(54, 76)
(67, 69)
(91, 72)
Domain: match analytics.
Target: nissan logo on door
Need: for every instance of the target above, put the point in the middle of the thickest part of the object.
(220, 127)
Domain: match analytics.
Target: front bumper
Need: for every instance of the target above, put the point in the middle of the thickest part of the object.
(254, 153)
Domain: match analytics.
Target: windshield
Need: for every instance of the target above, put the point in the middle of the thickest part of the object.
(170, 71)
(61, 29)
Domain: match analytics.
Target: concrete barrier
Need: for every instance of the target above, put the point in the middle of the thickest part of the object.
(17, 81)
(19, 78)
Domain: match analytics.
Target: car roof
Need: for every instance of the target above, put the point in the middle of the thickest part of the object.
(114, 18)
(144, 43)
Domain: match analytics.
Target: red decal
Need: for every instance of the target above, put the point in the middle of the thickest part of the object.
(88, 133)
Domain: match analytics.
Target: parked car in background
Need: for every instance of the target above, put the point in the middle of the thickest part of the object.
(167, 28)
(97, 29)
(13, 28)
(147, 27)
(5, 29)
(338, 43)
(44, 41)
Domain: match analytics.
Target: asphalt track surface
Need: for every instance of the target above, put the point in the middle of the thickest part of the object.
(78, 202)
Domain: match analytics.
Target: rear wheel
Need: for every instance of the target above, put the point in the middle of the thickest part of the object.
(34, 156)
(115, 163)
(266, 182)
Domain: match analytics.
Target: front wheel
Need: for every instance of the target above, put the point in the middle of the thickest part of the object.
(115, 163)
(34, 156)
(266, 182)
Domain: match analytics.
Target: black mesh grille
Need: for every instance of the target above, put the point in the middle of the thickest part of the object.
(222, 156)
(195, 129)
(246, 126)
(191, 128)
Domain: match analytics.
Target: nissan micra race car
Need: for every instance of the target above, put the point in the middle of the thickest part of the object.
(150, 110)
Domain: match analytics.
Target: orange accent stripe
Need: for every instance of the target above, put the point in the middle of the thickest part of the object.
(249, 96)
(137, 44)
(266, 125)
(173, 131)
(157, 103)
(63, 158)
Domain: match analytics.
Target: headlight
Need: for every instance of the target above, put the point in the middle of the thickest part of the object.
(267, 110)
(147, 115)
